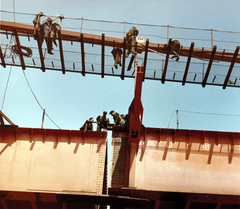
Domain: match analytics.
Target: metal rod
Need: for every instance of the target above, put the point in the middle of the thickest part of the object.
(145, 58)
(209, 66)
(103, 55)
(177, 120)
(2, 58)
(124, 57)
(188, 64)
(231, 67)
(43, 118)
(82, 54)
(81, 25)
(19, 48)
(61, 51)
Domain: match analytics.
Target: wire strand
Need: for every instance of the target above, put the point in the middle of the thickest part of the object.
(37, 99)
(209, 113)
(6, 88)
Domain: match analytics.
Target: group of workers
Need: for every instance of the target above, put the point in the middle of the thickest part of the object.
(103, 122)
(174, 47)
(47, 30)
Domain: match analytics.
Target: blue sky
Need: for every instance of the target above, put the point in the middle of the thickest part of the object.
(70, 99)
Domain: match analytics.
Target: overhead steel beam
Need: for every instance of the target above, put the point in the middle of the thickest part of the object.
(82, 54)
(103, 55)
(188, 63)
(2, 58)
(166, 63)
(209, 66)
(61, 51)
(19, 48)
(118, 42)
(145, 58)
(124, 57)
(231, 67)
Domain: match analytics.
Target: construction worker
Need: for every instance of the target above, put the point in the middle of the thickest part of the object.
(102, 121)
(44, 32)
(37, 24)
(87, 126)
(117, 118)
(56, 27)
(117, 52)
(131, 41)
(175, 48)
(125, 118)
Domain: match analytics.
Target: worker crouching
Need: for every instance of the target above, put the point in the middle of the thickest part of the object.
(131, 41)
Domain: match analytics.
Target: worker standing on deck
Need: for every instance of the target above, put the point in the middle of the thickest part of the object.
(56, 27)
(102, 121)
(117, 118)
(37, 24)
(131, 41)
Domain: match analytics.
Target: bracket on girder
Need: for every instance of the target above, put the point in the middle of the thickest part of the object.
(2, 115)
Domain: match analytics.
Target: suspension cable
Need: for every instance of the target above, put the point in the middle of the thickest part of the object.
(37, 99)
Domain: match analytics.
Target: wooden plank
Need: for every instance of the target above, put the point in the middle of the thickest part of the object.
(41, 54)
(118, 42)
(130, 63)
(188, 63)
(166, 63)
(61, 51)
(124, 57)
(231, 67)
(19, 48)
(145, 58)
(2, 58)
(209, 66)
(103, 55)
(82, 54)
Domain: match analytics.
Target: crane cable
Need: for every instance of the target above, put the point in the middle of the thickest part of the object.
(37, 99)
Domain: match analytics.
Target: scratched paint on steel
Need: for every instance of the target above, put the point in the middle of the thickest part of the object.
(118, 160)
(189, 161)
(52, 160)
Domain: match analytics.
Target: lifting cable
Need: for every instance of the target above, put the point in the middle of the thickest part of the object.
(37, 99)
(6, 88)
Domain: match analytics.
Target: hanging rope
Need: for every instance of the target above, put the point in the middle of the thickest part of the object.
(6, 88)
(37, 99)
(27, 53)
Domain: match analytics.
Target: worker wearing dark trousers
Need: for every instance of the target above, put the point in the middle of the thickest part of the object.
(37, 24)
(87, 126)
(117, 52)
(44, 32)
(56, 27)
(131, 41)
(102, 121)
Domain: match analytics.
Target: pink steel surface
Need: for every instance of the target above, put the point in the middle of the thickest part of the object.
(52, 160)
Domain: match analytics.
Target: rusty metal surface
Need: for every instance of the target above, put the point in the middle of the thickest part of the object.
(52, 160)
